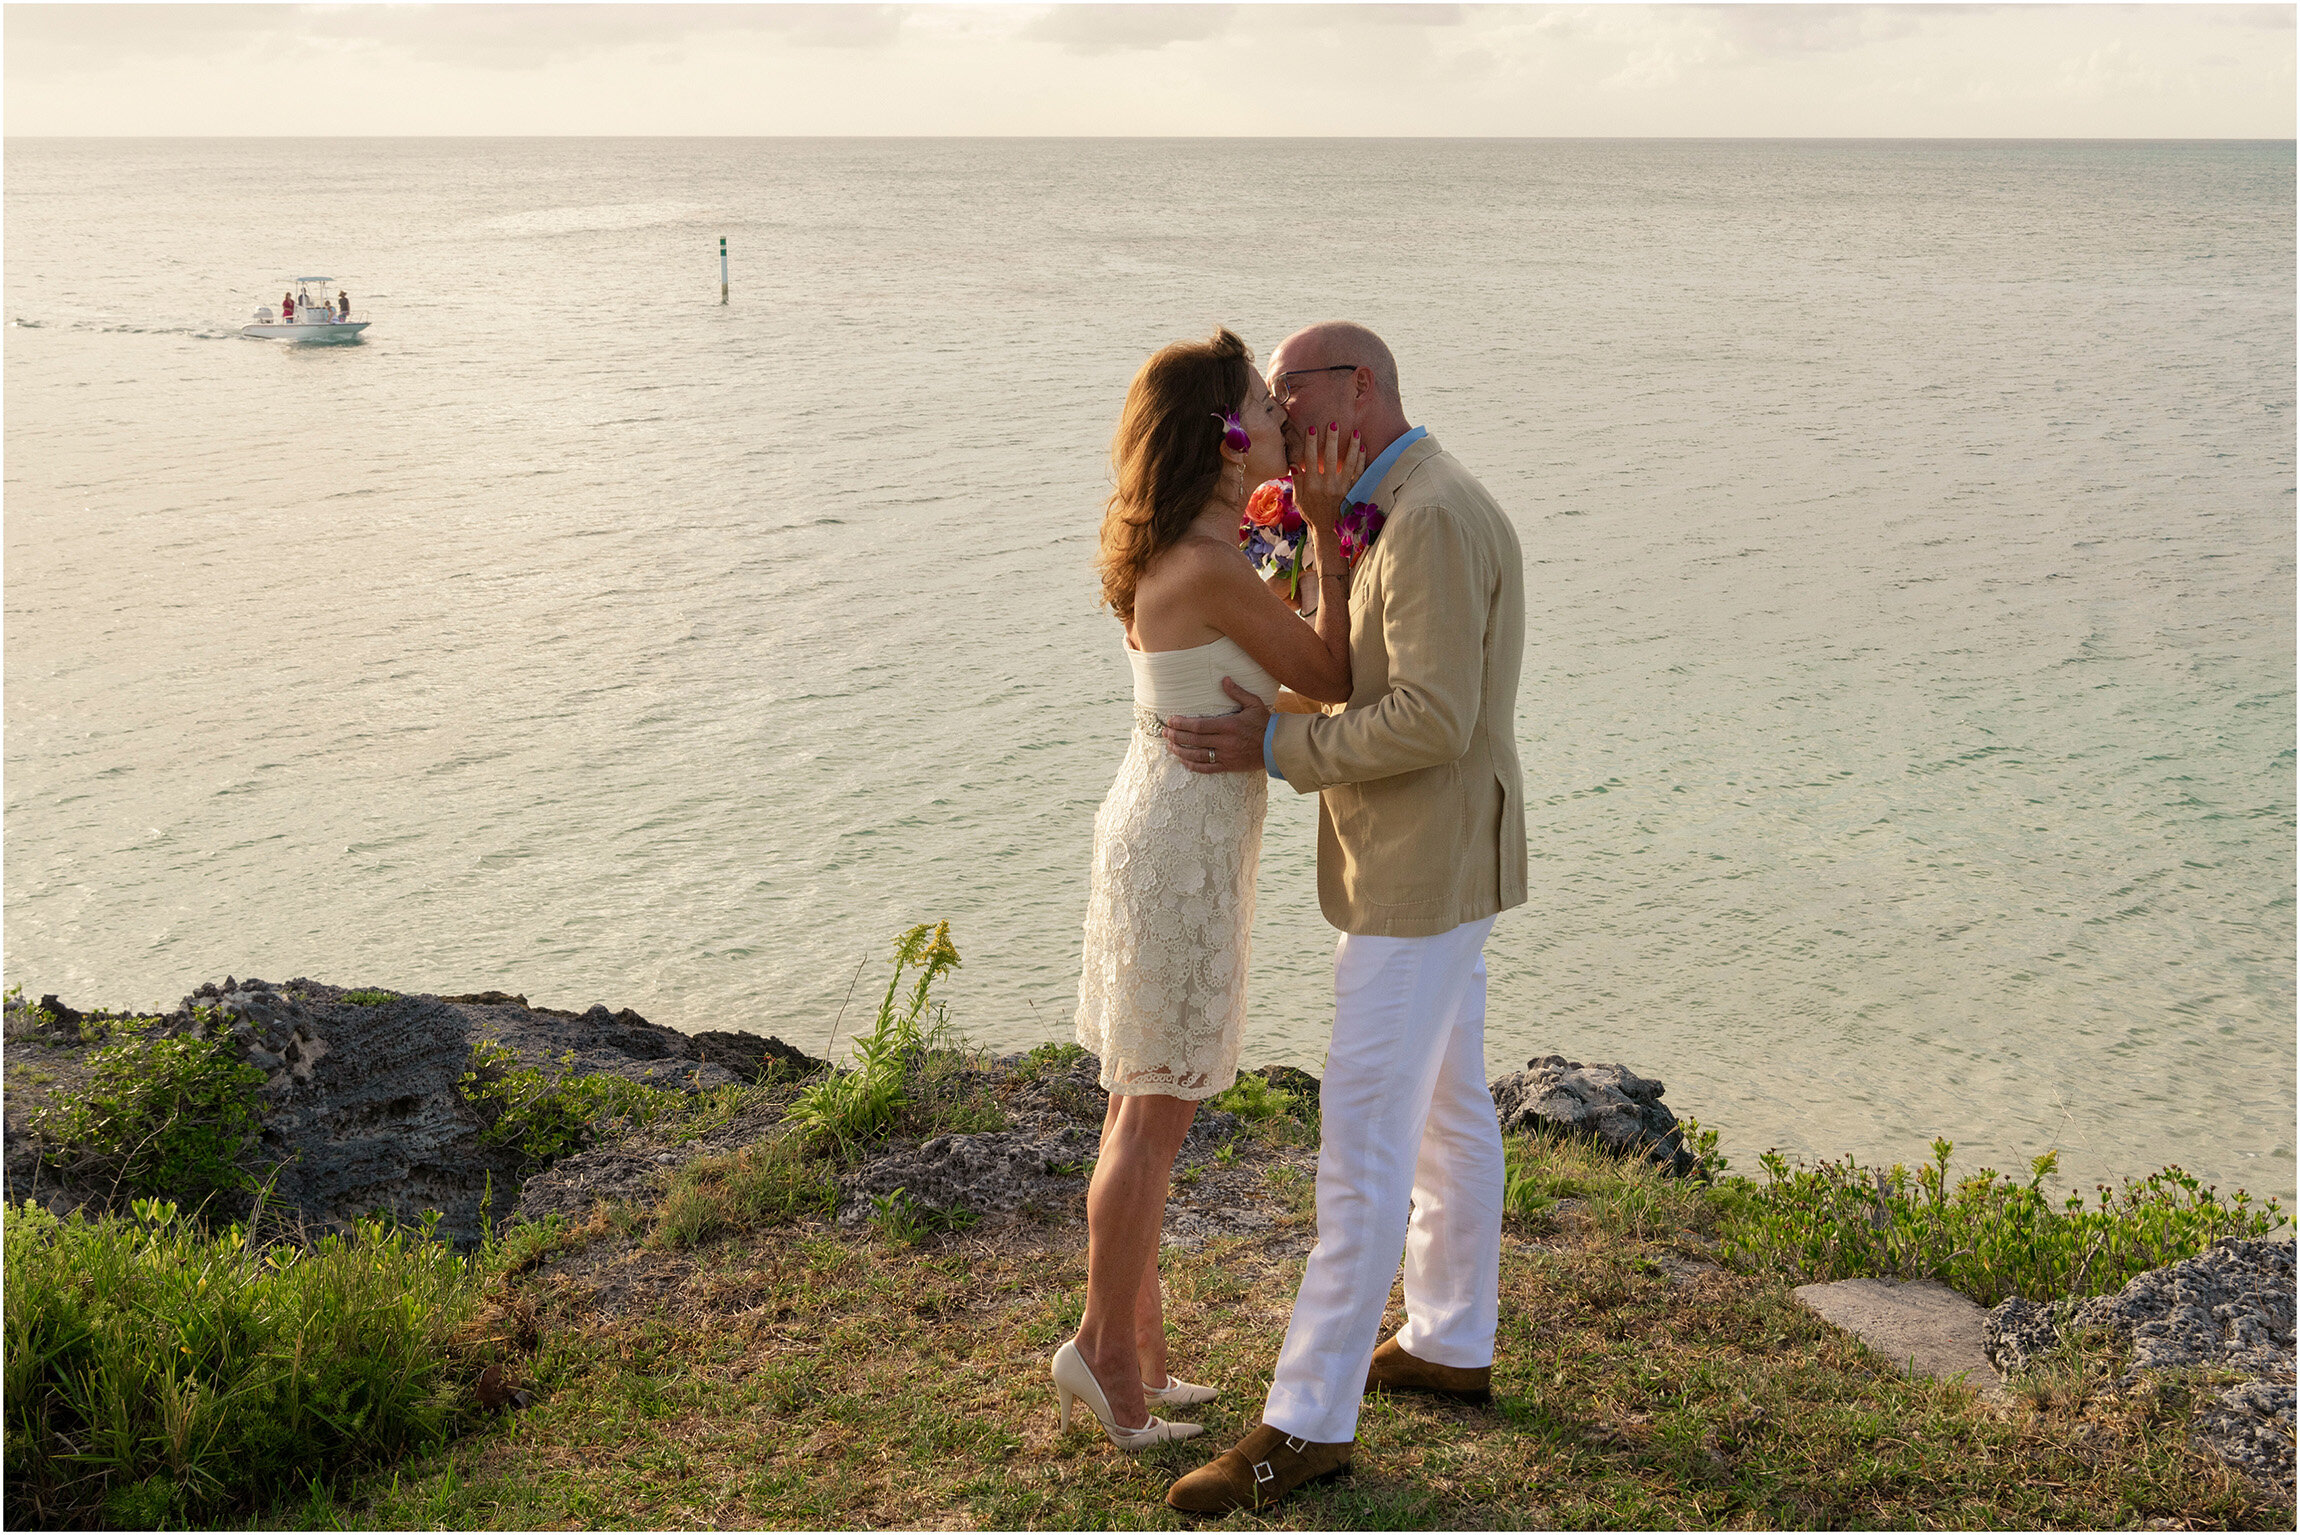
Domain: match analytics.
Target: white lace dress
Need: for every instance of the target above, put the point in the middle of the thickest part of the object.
(1162, 999)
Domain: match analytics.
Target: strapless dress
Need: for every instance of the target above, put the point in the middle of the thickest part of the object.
(1170, 904)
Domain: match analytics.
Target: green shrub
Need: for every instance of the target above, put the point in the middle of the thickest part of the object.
(850, 1108)
(946, 1092)
(1987, 1235)
(159, 1374)
(544, 1116)
(767, 1183)
(1253, 1099)
(370, 997)
(175, 1117)
(1708, 1161)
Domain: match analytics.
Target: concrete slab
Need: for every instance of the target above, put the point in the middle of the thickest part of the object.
(1921, 1325)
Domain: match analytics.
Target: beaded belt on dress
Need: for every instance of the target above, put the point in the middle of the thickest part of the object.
(1149, 721)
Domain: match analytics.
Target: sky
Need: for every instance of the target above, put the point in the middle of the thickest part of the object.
(1851, 71)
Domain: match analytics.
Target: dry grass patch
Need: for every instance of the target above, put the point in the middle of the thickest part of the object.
(806, 1377)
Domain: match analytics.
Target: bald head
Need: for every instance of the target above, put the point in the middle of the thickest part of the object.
(1339, 371)
(1330, 342)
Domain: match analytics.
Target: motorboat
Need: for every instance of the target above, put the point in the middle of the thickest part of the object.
(314, 319)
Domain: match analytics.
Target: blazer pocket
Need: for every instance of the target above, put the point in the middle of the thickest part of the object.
(1405, 836)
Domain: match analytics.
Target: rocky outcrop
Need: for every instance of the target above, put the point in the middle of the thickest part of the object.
(1607, 1103)
(991, 1173)
(2230, 1307)
(362, 1113)
(634, 1169)
(1041, 1162)
(360, 1104)
(1036, 1164)
(2250, 1427)
(753, 1057)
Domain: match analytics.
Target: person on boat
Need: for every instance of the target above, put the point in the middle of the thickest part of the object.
(287, 309)
(342, 304)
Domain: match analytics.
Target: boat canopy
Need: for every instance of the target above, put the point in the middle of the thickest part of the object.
(311, 279)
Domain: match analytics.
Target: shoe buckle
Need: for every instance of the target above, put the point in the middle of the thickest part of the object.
(1296, 1445)
(1263, 1475)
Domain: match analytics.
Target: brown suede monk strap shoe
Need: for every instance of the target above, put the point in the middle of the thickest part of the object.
(1394, 1369)
(1262, 1468)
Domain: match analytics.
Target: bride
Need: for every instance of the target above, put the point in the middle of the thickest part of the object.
(1163, 995)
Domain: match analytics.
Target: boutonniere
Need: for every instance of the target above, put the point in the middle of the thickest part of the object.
(1359, 525)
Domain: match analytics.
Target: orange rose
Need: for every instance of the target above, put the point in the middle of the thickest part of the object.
(1270, 503)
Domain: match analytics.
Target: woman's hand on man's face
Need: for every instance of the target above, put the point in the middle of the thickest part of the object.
(1324, 474)
(1291, 435)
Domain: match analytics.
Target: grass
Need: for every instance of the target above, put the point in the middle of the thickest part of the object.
(1548, 1181)
(724, 1355)
(769, 1183)
(159, 1373)
(797, 1377)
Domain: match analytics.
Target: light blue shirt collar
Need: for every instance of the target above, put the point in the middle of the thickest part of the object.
(1361, 491)
(1364, 489)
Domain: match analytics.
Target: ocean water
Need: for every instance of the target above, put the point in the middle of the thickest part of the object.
(1908, 697)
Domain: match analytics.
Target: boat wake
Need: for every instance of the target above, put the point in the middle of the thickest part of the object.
(96, 327)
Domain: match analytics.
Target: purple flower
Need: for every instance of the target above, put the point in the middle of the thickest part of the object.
(1359, 524)
(1233, 431)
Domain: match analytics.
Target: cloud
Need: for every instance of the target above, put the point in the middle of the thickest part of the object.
(1393, 15)
(1501, 70)
(1104, 29)
(76, 34)
(2110, 72)
(1788, 31)
(510, 37)
(1096, 29)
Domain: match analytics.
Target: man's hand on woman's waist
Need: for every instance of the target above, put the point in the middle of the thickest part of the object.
(1222, 743)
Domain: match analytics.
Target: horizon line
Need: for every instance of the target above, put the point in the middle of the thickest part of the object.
(1242, 138)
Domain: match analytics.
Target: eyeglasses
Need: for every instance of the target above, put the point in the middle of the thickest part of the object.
(1285, 389)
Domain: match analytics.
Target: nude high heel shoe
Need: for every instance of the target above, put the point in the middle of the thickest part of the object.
(1074, 1382)
(1177, 1392)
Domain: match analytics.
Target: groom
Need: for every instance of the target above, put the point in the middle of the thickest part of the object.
(1421, 841)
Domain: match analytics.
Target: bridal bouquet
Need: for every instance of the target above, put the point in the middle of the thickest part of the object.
(1276, 536)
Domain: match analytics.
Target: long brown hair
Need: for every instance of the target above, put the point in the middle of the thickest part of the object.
(1167, 456)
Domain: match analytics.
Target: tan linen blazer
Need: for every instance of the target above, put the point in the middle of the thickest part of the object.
(1421, 803)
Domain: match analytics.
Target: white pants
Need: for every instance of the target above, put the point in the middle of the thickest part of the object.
(1409, 1126)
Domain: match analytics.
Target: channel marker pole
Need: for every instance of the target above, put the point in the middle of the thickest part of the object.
(722, 269)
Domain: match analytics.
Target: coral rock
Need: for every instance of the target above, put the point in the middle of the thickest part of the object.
(1608, 1103)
